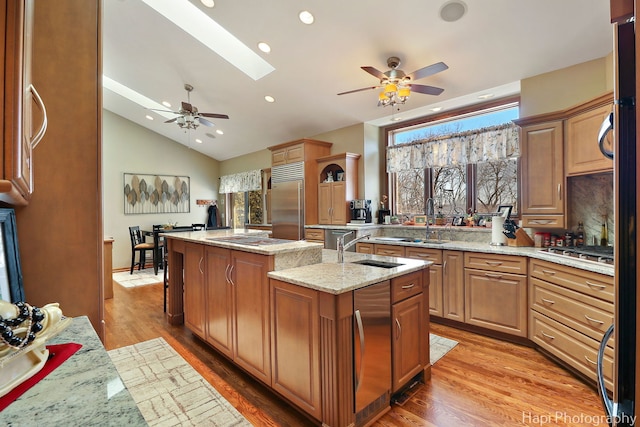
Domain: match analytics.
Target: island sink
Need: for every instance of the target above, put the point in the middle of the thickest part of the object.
(381, 264)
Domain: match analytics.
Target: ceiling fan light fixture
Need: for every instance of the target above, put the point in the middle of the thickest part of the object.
(403, 93)
(390, 89)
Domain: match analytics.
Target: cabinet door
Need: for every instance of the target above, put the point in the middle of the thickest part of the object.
(338, 203)
(219, 300)
(542, 177)
(251, 304)
(295, 342)
(389, 250)
(364, 248)
(194, 289)
(408, 334)
(279, 157)
(453, 285)
(582, 152)
(496, 301)
(295, 153)
(435, 290)
(324, 203)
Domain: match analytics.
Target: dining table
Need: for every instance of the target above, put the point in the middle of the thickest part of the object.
(157, 248)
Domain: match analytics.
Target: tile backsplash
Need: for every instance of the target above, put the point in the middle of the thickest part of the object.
(589, 198)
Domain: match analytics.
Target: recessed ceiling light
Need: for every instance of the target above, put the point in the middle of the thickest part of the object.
(210, 135)
(453, 10)
(436, 109)
(396, 119)
(208, 3)
(219, 132)
(264, 47)
(198, 140)
(486, 96)
(269, 98)
(166, 104)
(149, 117)
(306, 17)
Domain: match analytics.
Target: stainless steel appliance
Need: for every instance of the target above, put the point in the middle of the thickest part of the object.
(287, 201)
(372, 349)
(360, 211)
(599, 254)
(331, 239)
(620, 409)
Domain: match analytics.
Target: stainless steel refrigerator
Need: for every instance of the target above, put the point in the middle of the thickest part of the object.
(621, 408)
(287, 201)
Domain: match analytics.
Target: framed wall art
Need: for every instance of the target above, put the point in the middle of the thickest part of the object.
(420, 219)
(11, 286)
(151, 194)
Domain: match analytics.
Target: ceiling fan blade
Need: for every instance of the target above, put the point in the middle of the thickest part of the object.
(359, 90)
(375, 72)
(205, 122)
(215, 116)
(428, 71)
(187, 107)
(428, 90)
(171, 120)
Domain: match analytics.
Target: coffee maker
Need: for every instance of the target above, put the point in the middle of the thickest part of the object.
(360, 211)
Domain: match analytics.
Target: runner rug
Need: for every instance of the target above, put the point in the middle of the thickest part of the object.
(138, 278)
(168, 391)
(439, 346)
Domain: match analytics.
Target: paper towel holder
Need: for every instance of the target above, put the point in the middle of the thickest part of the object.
(504, 211)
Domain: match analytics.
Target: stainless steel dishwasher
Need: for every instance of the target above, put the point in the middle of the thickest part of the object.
(331, 239)
(372, 349)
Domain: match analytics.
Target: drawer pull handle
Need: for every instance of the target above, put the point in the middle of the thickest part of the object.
(551, 337)
(548, 301)
(493, 276)
(595, 285)
(590, 361)
(408, 286)
(494, 263)
(590, 319)
(549, 272)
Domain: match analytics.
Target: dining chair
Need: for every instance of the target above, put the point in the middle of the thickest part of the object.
(158, 248)
(138, 245)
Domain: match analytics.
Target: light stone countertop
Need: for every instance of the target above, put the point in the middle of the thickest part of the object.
(336, 278)
(85, 390)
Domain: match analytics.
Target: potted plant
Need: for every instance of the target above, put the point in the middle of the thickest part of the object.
(488, 222)
(440, 219)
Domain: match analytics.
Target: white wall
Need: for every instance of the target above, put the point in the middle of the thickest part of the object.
(128, 147)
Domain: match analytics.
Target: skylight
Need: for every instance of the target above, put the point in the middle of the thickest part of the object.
(134, 96)
(208, 32)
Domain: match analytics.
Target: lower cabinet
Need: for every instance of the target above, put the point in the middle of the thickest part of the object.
(295, 345)
(406, 348)
(194, 289)
(435, 275)
(453, 286)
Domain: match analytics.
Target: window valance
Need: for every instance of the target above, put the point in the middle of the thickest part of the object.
(481, 145)
(240, 182)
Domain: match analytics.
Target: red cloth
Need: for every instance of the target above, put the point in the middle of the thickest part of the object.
(58, 353)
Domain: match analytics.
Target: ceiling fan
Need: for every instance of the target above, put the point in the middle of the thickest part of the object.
(398, 85)
(189, 117)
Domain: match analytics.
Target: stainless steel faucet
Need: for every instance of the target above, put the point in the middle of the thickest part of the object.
(430, 203)
(343, 247)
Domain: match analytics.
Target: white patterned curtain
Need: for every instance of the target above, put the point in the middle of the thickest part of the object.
(482, 145)
(240, 182)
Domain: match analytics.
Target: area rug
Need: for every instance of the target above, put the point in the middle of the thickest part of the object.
(168, 391)
(439, 346)
(138, 278)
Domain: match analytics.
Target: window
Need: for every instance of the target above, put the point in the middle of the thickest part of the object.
(465, 162)
(246, 208)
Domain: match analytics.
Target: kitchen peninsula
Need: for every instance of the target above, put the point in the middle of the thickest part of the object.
(284, 312)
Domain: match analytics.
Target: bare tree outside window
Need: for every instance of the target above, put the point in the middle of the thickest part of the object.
(496, 184)
(450, 189)
(410, 192)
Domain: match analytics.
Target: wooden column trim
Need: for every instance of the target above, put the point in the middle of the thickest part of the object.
(175, 308)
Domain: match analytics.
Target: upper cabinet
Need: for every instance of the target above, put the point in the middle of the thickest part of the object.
(24, 120)
(582, 154)
(338, 185)
(298, 151)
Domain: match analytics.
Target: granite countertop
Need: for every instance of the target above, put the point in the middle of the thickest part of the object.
(255, 241)
(85, 390)
(336, 278)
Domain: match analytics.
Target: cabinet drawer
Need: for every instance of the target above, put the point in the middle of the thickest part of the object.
(389, 250)
(364, 248)
(543, 221)
(406, 286)
(588, 315)
(593, 284)
(577, 350)
(498, 263)
(424, 254)
(316, 234)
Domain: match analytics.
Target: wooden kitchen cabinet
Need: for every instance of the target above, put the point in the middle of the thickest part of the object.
(496, 292)
(453, 286)
(365, 248)
(334, 196)
(195, 308)
(24, 120)
(435, 275)
(314, 235)
(295, 345)
(582, 154)
(407, 332)
(389, 250)
(542, 175)
(291, 154)
(219, 300)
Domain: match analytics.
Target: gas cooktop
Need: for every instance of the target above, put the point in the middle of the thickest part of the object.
(600, 254)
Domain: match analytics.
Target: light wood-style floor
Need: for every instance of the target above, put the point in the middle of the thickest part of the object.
(481, 382)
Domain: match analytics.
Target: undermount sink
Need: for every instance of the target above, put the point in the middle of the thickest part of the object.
(381, 264)
(396, 239)
(434, 241)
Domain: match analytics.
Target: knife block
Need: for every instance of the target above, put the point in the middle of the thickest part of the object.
(522, 239)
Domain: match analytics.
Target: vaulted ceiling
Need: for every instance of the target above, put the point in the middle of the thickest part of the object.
(494, 45)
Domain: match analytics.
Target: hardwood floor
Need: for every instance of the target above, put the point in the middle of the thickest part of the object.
(481, 382)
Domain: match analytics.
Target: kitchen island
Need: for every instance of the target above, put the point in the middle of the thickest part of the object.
(283, 311)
